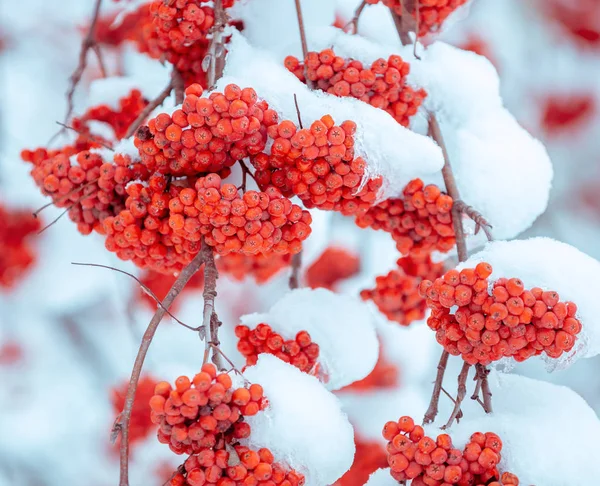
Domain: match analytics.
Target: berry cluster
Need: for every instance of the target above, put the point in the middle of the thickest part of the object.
(431, 14)
(301, 352)
(16, 252)
(421, 222)
(509, 321)
(334, 265)
(413, 455)
(369, 457)
(208, 134)
(205, 412)
(160, 284)
(262, 266)
(140, 424)
(562, 113)
(396, 294)
(382, 85)
(119, 120)
(579, 18)
(318, 165)
(384, 375)
(238, 466)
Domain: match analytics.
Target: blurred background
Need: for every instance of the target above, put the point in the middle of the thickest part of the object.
(69, 334)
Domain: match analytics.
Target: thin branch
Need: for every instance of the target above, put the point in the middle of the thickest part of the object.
(231, 363)
(402, 32)
(417, 28)
(156, 102)
(100, 59)
(303, 41)
(55, 220)
(485, 388)
(65, 196)
(178, 86)
(298, 111)
(462, 391)
(122, 424)
(245, 172)
(215, 324)
(216, 50)
(476, 217)
(144, 287)
(210, 292)
(477, 379)
(352, 26)
(88, 43)
(432, 411)
(294, 282)
(93, 138)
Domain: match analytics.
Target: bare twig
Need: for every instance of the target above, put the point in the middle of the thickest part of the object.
(477, 379)
(65, 196)
(294, 282)
(159, 100)
(216, 50)
(231, 363)
(303, 41)
(178, 86)
(432, 411)
(462, 391)
(417, 28)
(93, 138)
(485, 388)
(54, 221)
(245, 172)
(352, 26)
(144, 287)
(100, 59)
(88, 43)
(122, 424)
(215, 324)
(402, 32)
(210, 292)
(476, 217)
(298, 111)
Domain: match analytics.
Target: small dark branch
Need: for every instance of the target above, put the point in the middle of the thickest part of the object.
(123, 424)
(462, 391)
(159, 100)
(295, 275)
(432, 411)
(477, 380)
(485, 388)
(298, 111)
(417, 28)
(245, 172)
(210, 292)
(216, 50)
(88, 43)
(402, 32)
(65, 197)
(215, 323)
(352, 26)
(178, 86)
(55, 220)
(91, 137)
(460, 414)
(476, 217)
(303, 41)
(451, 189)
(231, 363)
(100, 59)
(145, 288)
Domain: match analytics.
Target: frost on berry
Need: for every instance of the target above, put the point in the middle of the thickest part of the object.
(382, 84)
(396, 294)
(485, 321)
(17, 254)
(419, 222)
(412, 455)
(300, 351)
(140, 425)
(206, 412)
(318, 165)
(333, 265)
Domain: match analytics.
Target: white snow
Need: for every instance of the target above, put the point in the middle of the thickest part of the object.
(342, 326)
(552, 265)
(381, 477)
(303, 425)
(549, 433)
(389, 149)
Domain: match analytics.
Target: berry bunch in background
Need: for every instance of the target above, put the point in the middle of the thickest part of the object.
(506, 321)
(334, 265)
(17, 253)
(383, 84)
(261, 267)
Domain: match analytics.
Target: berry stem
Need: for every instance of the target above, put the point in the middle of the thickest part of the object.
(89, 41)
(178, 86)
(432, 411)
(303, 41)
(156, 102)
(462, 391)
(89, 136)
(217, 49)
(485, 388)
(402, 31)
(122, 423)
(210, 321)
(295, 276)
(353, 24)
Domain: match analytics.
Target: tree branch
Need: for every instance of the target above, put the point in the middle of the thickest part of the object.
(485, 388)
(294, 282)
(402, 32)
(303, 41)
(353, 24)
(462, 391)
(122, 423)
(216, 50)
(210, 292)
(156, 102)
(432, 411)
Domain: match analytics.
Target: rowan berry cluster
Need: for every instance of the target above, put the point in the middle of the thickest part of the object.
(16, 251)
(396, 294)
(579, 19)
(300, 352)
(208, 134)
(238, 466)
(382, 85)
(140, 424)
(421, 222)
(369, 457)
(431, 14)
(262, 266)
(206, 412)
(318, 165)
(507, 321)
(334, 265)
(160, 284)
(415, 456)
(119, 120)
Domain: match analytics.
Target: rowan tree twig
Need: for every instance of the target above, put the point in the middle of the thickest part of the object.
(216, 49)
(121, 425)
(462, 391)
(304, 42)
(353, 24)
(294, 282)
(432, 410)
(156, 102)
(210, 292)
